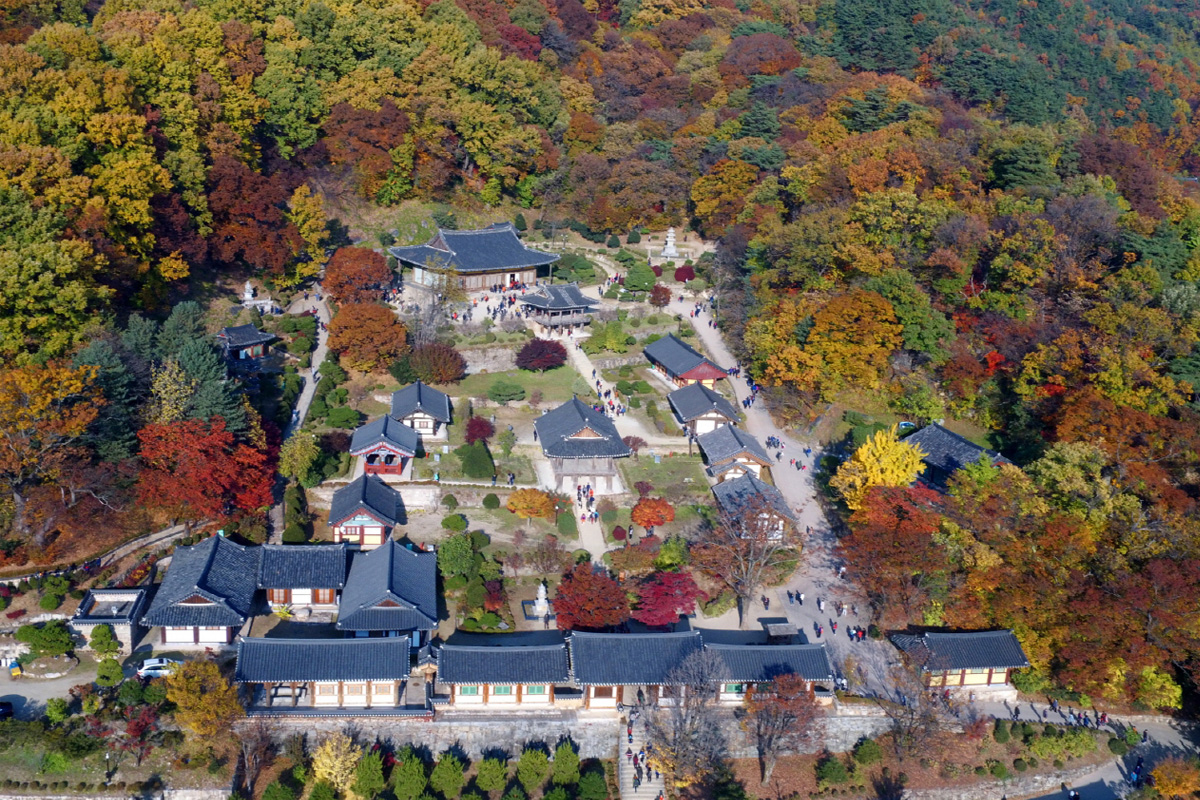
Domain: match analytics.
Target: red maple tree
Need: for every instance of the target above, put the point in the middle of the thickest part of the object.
(195, 470)
(666, 595)
(541, 354)
(589, 600)
(660, 296)
(479, 430)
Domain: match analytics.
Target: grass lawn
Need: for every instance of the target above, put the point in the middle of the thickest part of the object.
(555, 384)
(679, 478)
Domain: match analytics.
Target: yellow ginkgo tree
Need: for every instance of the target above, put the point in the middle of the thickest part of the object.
(882, 460)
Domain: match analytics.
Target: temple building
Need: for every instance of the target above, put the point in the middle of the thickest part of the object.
(364, 511)
(700, 409)
(424, 409)
(506, 675)
(385, 445)
(946, 452)
(559, 309)
(680, 364)
(391, 591)
(969, 660)
(582, 445)
(731, 452)
(479, 259)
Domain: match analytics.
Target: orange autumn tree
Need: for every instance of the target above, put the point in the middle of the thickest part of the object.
(367, 336)
(356, 275)
(44, 410)
(650, 512)
(854, 335)
(530, 504)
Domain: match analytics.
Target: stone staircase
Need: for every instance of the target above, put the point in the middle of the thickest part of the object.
(649, 787)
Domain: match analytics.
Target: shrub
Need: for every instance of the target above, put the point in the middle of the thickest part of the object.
(619, 533)
(294, 534)
(999, 771)
(476, 461)
(343, 417)
(322, 791)
(684, 274)
(981, 771)
(491, 502)
(867, 752)
(455, 522)
(612, 241)
(50, 639)
(49, 602)
(1019, 764)
(438, 363)
(450, 502)
(720, 604)
(634, 237)
(592, 787)
(503, 391)
(56, 710)
(831, 770)
(1000, 732)
(277, 791)
(568, 528)
(1131, 734)
(1117, 746)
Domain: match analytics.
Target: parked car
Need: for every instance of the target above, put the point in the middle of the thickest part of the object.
(6, 710)
(157, 667)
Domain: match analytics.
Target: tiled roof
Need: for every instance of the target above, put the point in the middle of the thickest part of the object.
(367, 493)
(385, 430)
(560, 297)
(735, 495)
(947, 451)
(110, 606)
(555, 429)
(494, 248)
(729, 441)
(503, 664)
(390, 588)
(971, 650)
(761, 663)
(716, 470)
(676, 356)
(294, 566)
(695, 400)
(243, 336)
(615, 659)
(419, 397)
(263, 660)
(217, 570)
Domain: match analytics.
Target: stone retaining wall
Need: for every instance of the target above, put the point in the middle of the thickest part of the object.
(1017, 787)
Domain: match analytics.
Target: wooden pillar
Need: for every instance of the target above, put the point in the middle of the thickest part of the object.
(550, 690)
(312, 693)
(340, 700)
(485, 694)
(587, 697)
(367, 697)
(453, 692)
(295, 698)
(518, 694)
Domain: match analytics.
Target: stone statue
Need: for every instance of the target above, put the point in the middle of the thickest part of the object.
(669, 251)
(248, 292)
(541, 606)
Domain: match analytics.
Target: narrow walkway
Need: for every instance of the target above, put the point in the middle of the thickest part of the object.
(299, 306)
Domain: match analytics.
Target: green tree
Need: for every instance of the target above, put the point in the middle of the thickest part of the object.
(502, 391)
(761, 121)
(57, 710)
(456, 556)
(409, 777)
(532, 768)
(109, 672)
(213, 395)
(48, 639)
(447, 776)
(491, 775)
(103, 642)
(506, 440)
(926, 330)
(368, 777)
(640, 278)
(592, 786)
(114, 433)
(566, 764)
(185, 324)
